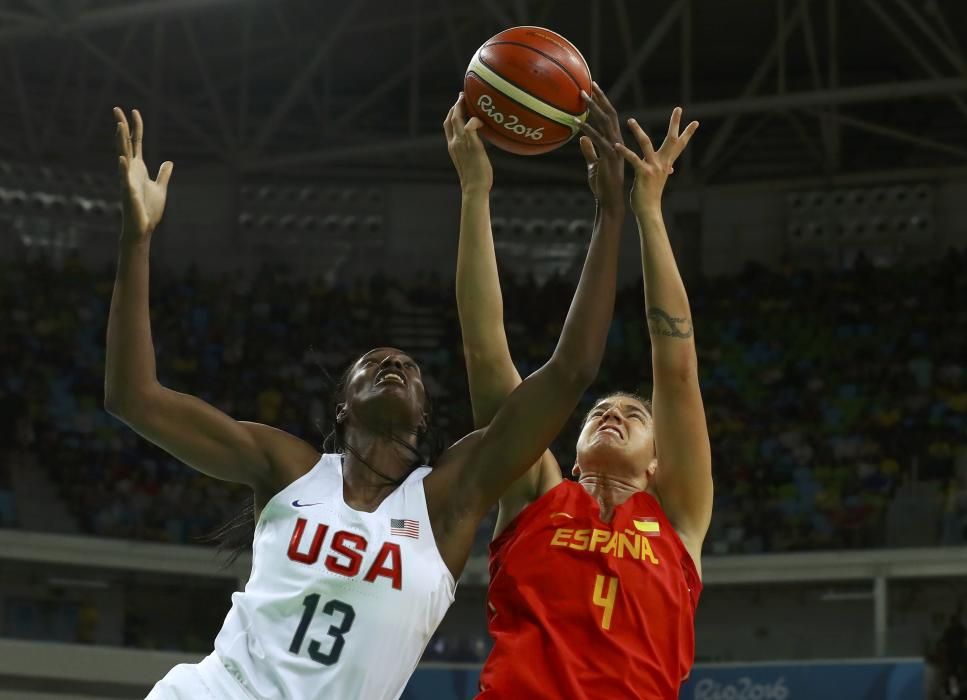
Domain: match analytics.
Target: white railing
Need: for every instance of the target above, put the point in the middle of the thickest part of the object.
(846, 565)
(55, 666)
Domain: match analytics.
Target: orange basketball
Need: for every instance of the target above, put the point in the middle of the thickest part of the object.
(525, 85)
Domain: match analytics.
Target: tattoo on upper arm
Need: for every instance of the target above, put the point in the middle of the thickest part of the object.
(660, 322)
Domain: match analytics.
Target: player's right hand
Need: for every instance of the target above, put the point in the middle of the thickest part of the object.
(653, 167)
(467, 150)
(142, 199)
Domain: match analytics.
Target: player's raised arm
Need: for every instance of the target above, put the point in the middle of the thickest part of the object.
(184, 426)
(535, 412)
(490, 370)
(684, 474)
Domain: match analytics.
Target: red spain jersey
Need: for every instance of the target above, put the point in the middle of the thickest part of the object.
(587, 610)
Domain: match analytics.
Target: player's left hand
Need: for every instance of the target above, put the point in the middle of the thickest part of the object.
(653, 167)
(467, 150)
(606, 169)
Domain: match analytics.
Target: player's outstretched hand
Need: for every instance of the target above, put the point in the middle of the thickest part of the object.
(467, 150)
(606, 169)
(653, 167)
(142, 199)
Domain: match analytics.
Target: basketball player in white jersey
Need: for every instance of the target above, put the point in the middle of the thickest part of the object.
(355, 555)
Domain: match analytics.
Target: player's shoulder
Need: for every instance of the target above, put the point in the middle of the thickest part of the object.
(291, 457)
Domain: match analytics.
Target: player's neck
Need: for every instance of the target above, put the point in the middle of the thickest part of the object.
(373, 468)
(608, 490)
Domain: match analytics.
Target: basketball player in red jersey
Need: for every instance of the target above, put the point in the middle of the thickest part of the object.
(594, 583)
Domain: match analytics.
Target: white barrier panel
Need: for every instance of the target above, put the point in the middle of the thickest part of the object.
(846, 565)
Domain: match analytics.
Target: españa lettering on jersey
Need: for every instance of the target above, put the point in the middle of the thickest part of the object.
(626, 543)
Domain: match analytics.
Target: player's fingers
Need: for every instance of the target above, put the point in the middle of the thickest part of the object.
(601, 144)
(137, 135)
(164, 174)
(473, 124)
(673, 122)
(628, 154)
(603, 100)
(120, 141)
(683, 140)
(120, 116)
(597, 115)
(587, 150)
(447, 127)
(647, 149)
(688, 133)
(459, 121)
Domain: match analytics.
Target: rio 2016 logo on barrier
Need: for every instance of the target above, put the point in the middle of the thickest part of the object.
(511, 122)
(741, 689)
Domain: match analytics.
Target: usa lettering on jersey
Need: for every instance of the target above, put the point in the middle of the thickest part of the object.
(346, 557)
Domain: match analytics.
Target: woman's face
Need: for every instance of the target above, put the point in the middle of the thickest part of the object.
(385, 386)
(618, 437)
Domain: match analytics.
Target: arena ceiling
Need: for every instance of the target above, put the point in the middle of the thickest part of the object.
(785, 89)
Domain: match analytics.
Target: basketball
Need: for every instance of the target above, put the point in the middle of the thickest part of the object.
(525, 85)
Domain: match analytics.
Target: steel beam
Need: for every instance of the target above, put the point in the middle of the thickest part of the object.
(857, 94)
(952, 54)
(900, 135)
(651, 43)
(362, 150)
(297, 86)
(624, 31)
(392, 81)
(687, 47)
(414, 97)
(169, 105)
(23, 105)
(95, 117)
(911, 46)
(832, 80)
(214, 100)
(248, 19)
(119, 14)
(933, 7)
(725, 131)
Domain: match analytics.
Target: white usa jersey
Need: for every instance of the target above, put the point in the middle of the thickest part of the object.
(340, 603)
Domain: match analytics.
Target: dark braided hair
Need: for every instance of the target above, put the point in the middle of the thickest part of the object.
(235, 536)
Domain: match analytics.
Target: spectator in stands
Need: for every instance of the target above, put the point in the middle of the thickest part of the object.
(819, 402)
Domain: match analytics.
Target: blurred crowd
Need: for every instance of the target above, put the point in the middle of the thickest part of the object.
(827, 393)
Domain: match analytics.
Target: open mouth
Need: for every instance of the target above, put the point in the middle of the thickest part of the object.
(612, 430)
(390, 376)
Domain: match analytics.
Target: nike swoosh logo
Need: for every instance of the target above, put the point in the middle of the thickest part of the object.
(566, 515)
(303, 505)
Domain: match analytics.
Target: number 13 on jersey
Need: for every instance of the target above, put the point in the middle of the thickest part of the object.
(605, 593)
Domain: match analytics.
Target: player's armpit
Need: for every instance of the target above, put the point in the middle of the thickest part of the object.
(539, 479)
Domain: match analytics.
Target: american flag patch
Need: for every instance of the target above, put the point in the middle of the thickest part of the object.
(404, 527)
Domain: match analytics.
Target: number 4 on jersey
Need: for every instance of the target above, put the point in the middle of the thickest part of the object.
(605, 600)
